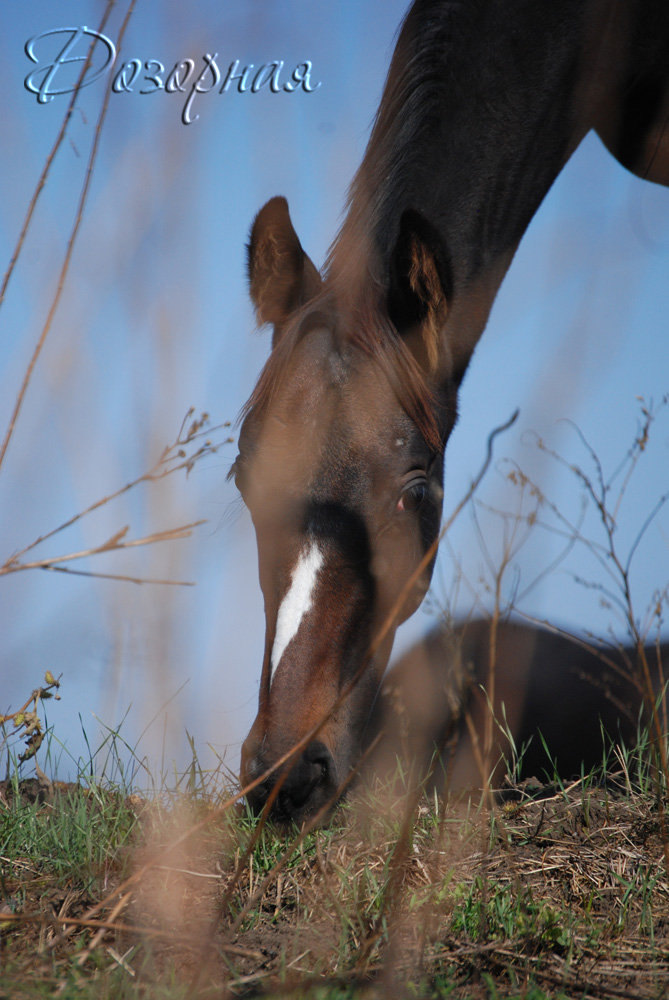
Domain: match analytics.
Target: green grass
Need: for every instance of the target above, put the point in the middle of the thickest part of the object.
(489, 911)
(467, 904)
(81, 832)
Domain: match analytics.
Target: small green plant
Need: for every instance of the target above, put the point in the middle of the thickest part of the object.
(486, 910)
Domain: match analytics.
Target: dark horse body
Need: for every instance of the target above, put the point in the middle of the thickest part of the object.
(341, 449)
(558, 704)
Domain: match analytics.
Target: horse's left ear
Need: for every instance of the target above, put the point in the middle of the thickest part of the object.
(420, 288)
(281, 276)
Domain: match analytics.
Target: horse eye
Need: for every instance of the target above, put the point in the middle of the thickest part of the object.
(236, 473)
(413, 495)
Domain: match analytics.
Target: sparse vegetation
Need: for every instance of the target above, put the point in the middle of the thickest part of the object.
(106, 892)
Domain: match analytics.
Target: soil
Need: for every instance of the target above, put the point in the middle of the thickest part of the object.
(584, 871)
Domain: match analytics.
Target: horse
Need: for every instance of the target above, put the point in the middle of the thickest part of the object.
(558, 705)
(341, 444)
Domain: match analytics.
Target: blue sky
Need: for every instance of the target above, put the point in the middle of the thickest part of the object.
(155, 318)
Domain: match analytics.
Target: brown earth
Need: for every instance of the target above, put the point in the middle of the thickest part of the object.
(567, 894)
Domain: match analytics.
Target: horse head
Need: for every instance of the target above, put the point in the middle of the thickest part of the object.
(340, 465)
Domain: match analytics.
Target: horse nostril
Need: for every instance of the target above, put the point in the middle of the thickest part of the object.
(309, 784)
(320, 757)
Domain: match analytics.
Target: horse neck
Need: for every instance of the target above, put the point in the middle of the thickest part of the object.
(479, 114)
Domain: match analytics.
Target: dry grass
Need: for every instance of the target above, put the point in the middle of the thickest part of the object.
(562, 895)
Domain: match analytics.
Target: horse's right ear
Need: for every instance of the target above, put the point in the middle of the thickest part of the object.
(281, 276)
(419, 289)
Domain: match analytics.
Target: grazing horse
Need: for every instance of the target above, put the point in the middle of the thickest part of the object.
(341, 447)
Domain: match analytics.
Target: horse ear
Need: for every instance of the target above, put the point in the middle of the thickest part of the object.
(419, 288)
(281, 276)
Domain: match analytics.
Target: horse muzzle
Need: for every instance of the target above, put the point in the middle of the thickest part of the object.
(298, 790)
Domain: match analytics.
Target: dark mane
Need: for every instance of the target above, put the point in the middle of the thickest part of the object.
(368, 330)
(417, 88)
(450, 144)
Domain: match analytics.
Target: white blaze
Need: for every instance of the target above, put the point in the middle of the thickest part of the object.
(297, 601)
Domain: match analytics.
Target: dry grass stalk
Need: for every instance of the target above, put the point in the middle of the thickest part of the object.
(68, 252)
(46, 169)
(192, 444)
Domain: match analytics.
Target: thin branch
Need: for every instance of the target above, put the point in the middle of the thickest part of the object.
(396, 609)
(66, 262)
(644, 527)
(121, 577)
(173, 453)
(113, 545)
(598, 499)
(51, 157)
(590, 647)
(173, 458)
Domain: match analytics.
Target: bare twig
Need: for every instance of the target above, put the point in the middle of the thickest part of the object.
(607, 502)
(115, 544)
(52, 155)
(429, 555)
(66, 261)
(159, 933)
(193, 442)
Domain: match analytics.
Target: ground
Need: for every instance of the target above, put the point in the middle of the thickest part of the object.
(554, 892)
